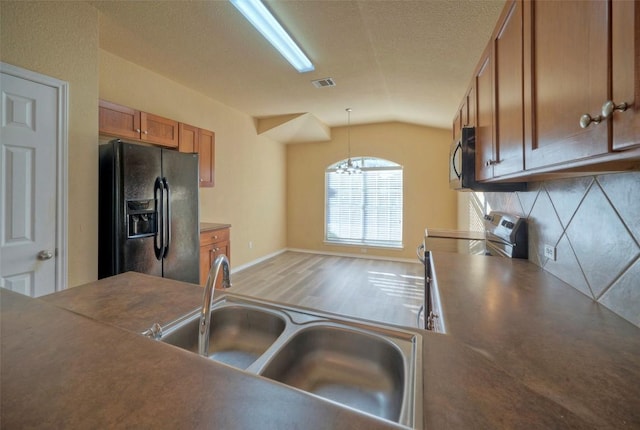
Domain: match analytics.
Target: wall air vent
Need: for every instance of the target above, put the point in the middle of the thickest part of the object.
(324, 82)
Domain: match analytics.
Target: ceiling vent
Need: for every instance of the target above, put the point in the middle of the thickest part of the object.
(324, 82)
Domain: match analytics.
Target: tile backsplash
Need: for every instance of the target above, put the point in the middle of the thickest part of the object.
(594, 223)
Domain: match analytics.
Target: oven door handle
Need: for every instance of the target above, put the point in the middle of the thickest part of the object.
(420, 252)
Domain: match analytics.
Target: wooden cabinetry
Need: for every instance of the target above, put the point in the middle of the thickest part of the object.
(485, 120)
(508, 153)
(213, 243)
(566, 61)
(122, 121)
(625, 72)
(207, 153)
(542, 85)
(188, 141)
(159, 130)
(201, 141)
(499, 80)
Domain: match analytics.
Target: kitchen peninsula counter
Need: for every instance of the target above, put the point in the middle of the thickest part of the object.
(522, 350)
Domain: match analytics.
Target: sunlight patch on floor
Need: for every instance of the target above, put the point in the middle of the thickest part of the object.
(408, 287)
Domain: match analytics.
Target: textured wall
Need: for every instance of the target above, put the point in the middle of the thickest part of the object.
(594, 222)
(250, 170)
(60, 39)
(422, 151)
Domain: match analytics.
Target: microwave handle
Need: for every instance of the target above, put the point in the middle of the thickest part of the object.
(453, 159)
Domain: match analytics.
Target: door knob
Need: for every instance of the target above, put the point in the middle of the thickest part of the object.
(45, 255)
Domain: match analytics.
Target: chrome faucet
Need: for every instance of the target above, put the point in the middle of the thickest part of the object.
(205, 314)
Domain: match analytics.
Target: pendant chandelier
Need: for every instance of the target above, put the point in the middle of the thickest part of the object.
(349, 167)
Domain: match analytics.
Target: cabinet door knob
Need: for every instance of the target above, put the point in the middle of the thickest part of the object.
(137, 130)
(586, 120)
(145, 132)
(609, 107)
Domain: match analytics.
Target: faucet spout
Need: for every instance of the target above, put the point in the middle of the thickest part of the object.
(221, 261)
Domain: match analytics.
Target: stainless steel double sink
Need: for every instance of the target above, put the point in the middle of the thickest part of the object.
(366, 366)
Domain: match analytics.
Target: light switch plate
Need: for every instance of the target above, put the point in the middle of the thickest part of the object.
(550, 252)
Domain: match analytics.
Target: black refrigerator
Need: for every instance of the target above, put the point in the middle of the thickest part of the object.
(148, 212)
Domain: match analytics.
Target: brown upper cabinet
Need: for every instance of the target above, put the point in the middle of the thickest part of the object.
(625, 71)
(189, 138)
(557, 90)
(485, 142)
(498, 91)
(463, 116)
(122, 121)
(566, 62)
(207, 153)
(201, 141)
(508, 153)
(457, 125)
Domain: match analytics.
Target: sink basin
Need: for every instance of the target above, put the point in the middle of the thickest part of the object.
(238, 336)
(355, 369)
(367, 367)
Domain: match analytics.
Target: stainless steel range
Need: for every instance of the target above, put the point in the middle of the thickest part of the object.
(505, 235)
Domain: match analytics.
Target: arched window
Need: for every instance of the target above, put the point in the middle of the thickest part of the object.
(364, 208)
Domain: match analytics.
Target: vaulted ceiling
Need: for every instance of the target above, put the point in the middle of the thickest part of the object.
(408, 61)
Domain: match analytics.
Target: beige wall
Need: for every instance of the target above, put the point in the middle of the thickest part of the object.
(422, 151)
(60, 39)
(272, 195)
(249, 191)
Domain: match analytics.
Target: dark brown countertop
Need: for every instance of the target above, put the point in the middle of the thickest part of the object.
(453, 234)
(545, 334)
(210, 226)
(523, 350)
(63, 370)
(131, 300)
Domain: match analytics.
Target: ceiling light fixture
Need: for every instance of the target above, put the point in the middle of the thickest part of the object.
(260, 17)
(349, 166)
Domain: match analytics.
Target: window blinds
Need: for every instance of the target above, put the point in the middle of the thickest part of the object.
(365, 209)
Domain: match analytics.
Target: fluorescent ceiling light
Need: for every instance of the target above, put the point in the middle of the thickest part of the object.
(265, 23)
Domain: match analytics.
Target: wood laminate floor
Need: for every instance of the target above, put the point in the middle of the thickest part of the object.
(383, 291)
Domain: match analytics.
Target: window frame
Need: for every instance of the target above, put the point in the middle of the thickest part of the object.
(362, 161)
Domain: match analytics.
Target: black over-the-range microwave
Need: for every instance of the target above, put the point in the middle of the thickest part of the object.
(462, 167)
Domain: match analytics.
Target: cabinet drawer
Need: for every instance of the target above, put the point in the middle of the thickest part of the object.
(213, 236)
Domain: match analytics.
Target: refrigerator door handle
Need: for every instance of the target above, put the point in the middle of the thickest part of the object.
(158, 239)
(167, 219)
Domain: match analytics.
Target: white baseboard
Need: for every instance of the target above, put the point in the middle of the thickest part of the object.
(256, 261)
(346, 254)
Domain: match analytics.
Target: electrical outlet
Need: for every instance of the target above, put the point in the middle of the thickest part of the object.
(550, 252)
(250, 245)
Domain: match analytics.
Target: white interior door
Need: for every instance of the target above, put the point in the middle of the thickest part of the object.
(30, 136)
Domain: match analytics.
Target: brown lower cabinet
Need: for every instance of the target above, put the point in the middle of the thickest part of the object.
(213, 243)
